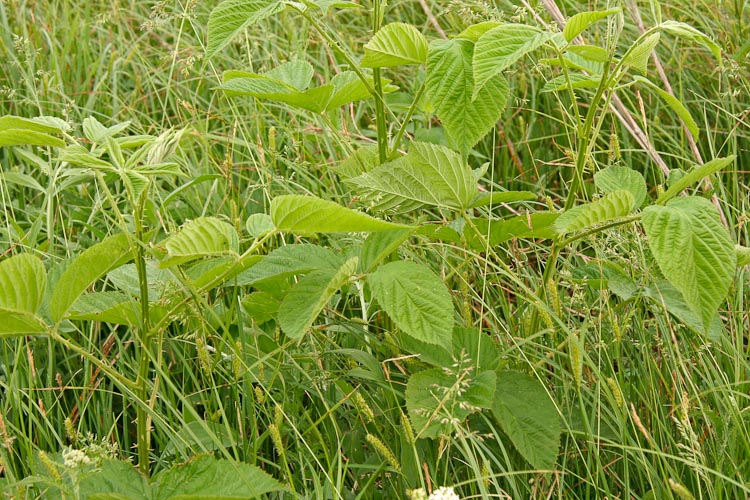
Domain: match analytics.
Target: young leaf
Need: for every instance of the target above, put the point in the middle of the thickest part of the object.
(615, 178)
(438, 400)
(501, 47)
(693, 250)
(485, 199)
(308, 215)
(687, 32)
(96, 132)
(205, 477)
(298, 74)
(289, 261)
(580, 22)
(379, 246)
(675, 104)
(230, 17)
(92, 264)
(743, 255)
(695, 175)
(428, 175)
(258, 225)
(395, 44)
(449, 86)
(23, 281)
(265, 87)
(474, 32)
(528, 417)
(15, 137)
(198, 238)
(109, 307)
(306, 300)
(637, 56)
(416, 299)
(611, 206)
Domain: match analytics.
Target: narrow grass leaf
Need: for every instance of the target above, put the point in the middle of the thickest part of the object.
(466, 115)
(308, 215)
(693, 251)
(611, 206)
(500, 48)
(84, 270)
(614, 178)
(580, 22)
(429, 175)
(307, 299)
(675, 104)
(231, 17)
(395, 44)
(416, 299)
(695, 175)
(201, 237)
(528, 417)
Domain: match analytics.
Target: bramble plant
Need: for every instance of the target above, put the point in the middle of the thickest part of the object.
(312, 269)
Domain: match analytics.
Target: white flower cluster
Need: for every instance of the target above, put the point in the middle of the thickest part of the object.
(442, 493)
(75, 458)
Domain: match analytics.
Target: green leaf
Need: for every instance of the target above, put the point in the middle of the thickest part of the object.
(259, 225)
(693, 250)
(348, 87)
(20, 179)
(264, 87)
(289, 261)
(13, 323)
(298, 74)
(75, 154)
(580, 22)
(637, 56)
(499, 197)
(307, 299)
(231, 17)
(362, 161)
(114, 480)
(611, 206)
(84, 270)
(261, 306)
(416, 299)
(687, 32)
(96, 132)
(18, 137)
(201, 237)
(474, 32)
(614, 178)
(449, 86)
(429, 175)
(439, 400)
(538, 225)
(672, 301)
(743, 255)
(205, 477)
(501, 47)
(576, 81)
(201, 435)
(378, 246)
(395, 44)
(675, 104)
(108, 307)
(590, 52)
(528, 416)
(23, 281)
(695, 175)
(307, 215)
(219, 271)
(10, 122)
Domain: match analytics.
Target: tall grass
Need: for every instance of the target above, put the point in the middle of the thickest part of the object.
(650, 409)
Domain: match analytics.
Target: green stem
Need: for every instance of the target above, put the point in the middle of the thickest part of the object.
(377, 17)
(405, 123)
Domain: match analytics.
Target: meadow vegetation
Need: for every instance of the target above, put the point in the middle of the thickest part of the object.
(337, 249)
